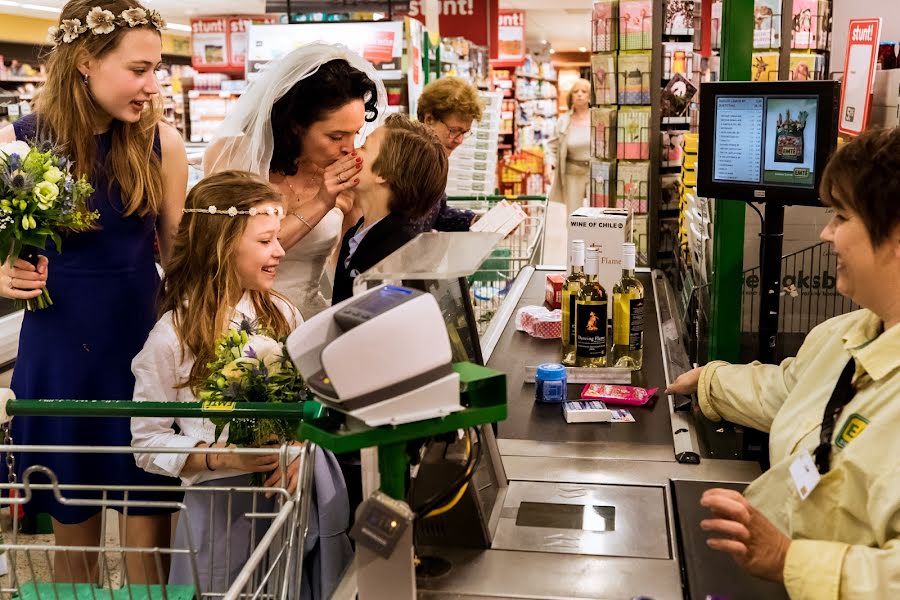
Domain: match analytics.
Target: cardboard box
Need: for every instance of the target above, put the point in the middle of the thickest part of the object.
(605, 229)
(553, 294)
(886, 99)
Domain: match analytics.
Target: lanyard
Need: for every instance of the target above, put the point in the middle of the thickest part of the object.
(840, 397)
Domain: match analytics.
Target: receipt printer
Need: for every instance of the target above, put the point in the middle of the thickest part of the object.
(382, 357)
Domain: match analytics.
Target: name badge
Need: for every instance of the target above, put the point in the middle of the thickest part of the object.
(805, 475)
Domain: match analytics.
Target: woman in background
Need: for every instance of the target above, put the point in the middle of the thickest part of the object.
(570, 149)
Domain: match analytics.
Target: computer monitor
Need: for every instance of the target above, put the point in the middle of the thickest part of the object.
(766, 141)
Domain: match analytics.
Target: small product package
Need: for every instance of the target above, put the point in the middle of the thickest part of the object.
(539, 322)
(595, 412)
(617, 394)
(553, 295)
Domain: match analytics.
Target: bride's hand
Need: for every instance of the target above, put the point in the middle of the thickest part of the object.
(341, 175)
(22, 280)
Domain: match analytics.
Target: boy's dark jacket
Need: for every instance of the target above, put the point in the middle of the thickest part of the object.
(384, 238)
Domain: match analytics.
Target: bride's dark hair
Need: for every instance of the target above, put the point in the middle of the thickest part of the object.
(332, 86)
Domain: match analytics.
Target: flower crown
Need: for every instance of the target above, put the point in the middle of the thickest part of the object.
(232, 211)
(101, 22)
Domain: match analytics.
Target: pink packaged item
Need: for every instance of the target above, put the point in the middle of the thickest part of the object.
(617, 394)
(539, 322)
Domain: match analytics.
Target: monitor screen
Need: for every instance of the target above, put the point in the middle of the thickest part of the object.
(766, 141)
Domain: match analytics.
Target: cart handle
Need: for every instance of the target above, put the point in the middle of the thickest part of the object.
(10, 407)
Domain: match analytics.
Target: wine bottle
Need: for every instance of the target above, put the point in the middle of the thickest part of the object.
(590, 316)
(628, 315)
(570, 290)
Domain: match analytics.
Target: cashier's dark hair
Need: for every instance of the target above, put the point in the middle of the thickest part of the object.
(332, 86)
(863, 176)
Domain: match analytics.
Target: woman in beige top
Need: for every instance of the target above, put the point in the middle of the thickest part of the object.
(570, 149)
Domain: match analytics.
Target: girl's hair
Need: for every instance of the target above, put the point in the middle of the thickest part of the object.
(862, 176)
(66, 108)
(575, 84)
(201, 281)
(332, 86)
(450, 96)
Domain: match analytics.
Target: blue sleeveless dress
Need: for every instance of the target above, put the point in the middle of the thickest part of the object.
(104, 286)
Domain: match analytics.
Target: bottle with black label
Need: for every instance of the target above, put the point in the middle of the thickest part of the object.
(590, 316)
(570, 290)
(628, 316)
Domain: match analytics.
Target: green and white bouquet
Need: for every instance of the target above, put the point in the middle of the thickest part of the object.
(252, 366)
(39, 199)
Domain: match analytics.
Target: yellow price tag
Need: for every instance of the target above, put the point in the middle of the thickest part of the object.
(218, 405)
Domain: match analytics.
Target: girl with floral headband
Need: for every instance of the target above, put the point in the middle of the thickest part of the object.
(100, 106)
(226, 256)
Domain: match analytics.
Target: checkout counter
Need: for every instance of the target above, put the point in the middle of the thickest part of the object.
(594, 510)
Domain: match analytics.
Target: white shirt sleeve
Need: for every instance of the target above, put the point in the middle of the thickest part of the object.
(155, 371)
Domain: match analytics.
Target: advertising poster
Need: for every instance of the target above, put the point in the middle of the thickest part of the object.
(237, 28)
(381, 43)
(790, 152)
(511, 38)
(209, 41)
(859, 71)
(415, 80)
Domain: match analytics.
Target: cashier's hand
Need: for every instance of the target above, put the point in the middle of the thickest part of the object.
(749, 537)
(686, 383)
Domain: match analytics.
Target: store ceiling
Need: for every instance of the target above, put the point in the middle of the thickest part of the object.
(564, 24)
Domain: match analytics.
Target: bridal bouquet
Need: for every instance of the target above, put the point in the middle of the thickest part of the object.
(252, 366)
(39, 199)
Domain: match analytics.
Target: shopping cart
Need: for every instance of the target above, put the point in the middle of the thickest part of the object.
(273, 530)
(524, 246)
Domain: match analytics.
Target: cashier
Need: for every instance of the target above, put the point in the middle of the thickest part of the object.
(825, 519)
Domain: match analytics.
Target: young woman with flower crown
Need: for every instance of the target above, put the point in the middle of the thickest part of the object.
(226, 255)
(100, 105)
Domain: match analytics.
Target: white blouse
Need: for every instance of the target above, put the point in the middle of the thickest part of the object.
(158, 369)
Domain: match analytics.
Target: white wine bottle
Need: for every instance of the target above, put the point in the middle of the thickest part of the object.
(570, 290)
(628, 316)
(590, 316)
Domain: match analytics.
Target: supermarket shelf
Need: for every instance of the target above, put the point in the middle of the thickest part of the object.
(19, 80)
(537, 77)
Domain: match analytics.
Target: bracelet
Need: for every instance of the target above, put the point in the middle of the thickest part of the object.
(302, 220)
(208, 468)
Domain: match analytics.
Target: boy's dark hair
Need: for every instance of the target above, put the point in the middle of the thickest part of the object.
(412, 161)
(332, 86)
(863, 175)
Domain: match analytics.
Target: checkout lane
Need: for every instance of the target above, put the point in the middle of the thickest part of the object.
(623, 540)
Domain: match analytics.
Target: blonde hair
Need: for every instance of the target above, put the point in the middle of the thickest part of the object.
(413, 162)
(578, 82)
(450, 96)
(66, 108)
(201, 277)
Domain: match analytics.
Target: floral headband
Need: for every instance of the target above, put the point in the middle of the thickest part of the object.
(232, 211)
(101, 22)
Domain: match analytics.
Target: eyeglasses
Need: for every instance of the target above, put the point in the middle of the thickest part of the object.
(457, 132)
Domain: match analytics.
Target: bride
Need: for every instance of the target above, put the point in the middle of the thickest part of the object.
(298, 125)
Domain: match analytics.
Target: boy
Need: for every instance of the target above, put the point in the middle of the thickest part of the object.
(404, 173)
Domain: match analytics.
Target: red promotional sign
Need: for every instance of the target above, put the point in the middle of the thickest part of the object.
(219, 44)
(475, 20)
(511, 38)
(859, 72)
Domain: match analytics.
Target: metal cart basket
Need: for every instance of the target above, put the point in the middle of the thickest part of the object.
(524, 246)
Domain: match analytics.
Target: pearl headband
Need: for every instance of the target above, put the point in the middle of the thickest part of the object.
(101, 22)
(232, 211)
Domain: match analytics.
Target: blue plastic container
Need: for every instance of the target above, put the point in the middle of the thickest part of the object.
(550, 383)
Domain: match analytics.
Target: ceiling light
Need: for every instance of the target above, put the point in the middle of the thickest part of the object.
(51, 9)
(552, 51)
(8, 3)
(178, 27)
(544, 42)
(582, 49)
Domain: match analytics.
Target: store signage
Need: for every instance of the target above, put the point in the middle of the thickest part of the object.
(475, 20)
(510, 38)
(379, 42)
(859, 74)
(219, 44)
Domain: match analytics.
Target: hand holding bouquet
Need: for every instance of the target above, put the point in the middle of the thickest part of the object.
(252, 366)
(39, 199)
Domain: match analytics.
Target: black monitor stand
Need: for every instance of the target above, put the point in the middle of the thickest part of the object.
(772, 241)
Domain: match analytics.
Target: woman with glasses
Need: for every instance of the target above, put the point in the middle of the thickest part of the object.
(570, 149)
(448, 108)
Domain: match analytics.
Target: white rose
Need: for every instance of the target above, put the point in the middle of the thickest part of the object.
(17, 147)
(266, 350)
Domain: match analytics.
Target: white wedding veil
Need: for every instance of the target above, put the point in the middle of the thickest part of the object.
(244, 140)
